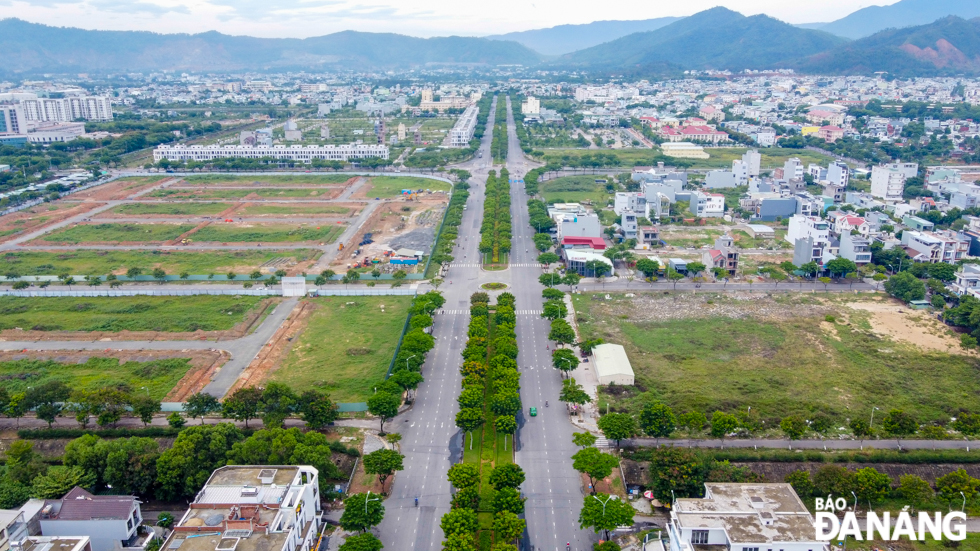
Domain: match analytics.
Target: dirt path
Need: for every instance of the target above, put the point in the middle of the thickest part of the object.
(270, 358)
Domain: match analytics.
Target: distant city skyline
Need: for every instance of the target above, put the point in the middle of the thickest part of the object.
(423, 18)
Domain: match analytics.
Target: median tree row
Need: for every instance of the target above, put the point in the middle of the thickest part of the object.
(498, 146)
(495, 232)
(486, 502)
(446, 242)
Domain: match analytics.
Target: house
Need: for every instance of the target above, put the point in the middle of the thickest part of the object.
(53, 543)
(842, 222)
(888, 181)
(679, 265)
(612, 366)
(699, 133)
(916, 223)
(577, 259)
(110, 522)
(807, 226)
(933, 247)
(707, 205)
(723, 255)
(711, 113)
(760, 231)
(830, 133)
(587, 225)
(967, 281)
(252, 508)
(855, 248)
(743, 517)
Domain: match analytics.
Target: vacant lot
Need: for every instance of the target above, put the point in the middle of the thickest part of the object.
(778, 355)
(117, 233)
(236, 193)
(268, 233)
(113, 314)
(392, 186)
(177, 209)
(158, 376)
(575, 189)
(291, 210)
(346, 347)
(267, 180)
(87, 262)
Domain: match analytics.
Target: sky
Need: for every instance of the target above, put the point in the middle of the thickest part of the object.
(424, 18)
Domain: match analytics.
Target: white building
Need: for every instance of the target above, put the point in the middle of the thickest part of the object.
(628, 201)
(801, 227)
(753, 161)
(743, 517)
(586, 225)
(612, 365)
(12, 120)
(838, 174)
(462, 131)
(111, 522)
(297, 153)
(793, 169)
(56, 132)
(90, 108)
(252, 508)
(888, 181)
(532, 106)
(707, 205)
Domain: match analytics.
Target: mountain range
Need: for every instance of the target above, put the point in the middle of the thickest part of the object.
(564, 39)
(35, 47)
(906, 13)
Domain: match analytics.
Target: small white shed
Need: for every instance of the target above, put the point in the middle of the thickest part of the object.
(612, 366)
(294, 286)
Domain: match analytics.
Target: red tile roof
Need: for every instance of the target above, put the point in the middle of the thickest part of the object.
(595, 242)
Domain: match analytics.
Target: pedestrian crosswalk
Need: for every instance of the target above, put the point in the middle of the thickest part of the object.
(602, 442)
(529, 312)
(457, 312)
(478, 265)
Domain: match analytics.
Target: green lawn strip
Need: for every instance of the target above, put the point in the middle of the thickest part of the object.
(158, 376)
(267, 233)
(781, 368)
(346, 348)
(95, 262)
(392, 186)
(139, 313)
(181, 209)
(258, 210)
(575, 189)
(218, 193)
(116, 233)
(262, 179)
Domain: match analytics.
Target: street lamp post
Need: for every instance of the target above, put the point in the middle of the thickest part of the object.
(368, 500)
(872, 423)
(409, 358)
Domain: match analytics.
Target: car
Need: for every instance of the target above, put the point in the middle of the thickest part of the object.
(534, 412)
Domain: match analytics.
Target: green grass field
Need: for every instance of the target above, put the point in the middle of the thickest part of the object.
(116, 233)
(158, 376)
(628, 158)
(178, 209)
(268, 233)
(346, 348)
(168, 314)
(779, 367)
(392, 186)
(218, 193)
(575, 189)
(88, 262)
(263, 179)
(260, 210)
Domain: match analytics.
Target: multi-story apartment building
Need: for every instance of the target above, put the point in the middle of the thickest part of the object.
(462, 132)
(888, 181)
(89, 108)
(933, 247)
(12, 119)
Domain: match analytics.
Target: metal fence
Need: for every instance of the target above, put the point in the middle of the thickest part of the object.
(362, 292)
(200, 291)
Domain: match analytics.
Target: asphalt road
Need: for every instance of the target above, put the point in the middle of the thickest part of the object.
(544, 443)
(430, 441)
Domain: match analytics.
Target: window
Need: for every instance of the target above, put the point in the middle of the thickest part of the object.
(699, 537)
(750, 549)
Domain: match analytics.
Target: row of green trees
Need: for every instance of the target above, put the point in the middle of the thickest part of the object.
(495, 231)
(490, 396)
(498, 146)
(600, 511)
(443, 251)
(138, 466)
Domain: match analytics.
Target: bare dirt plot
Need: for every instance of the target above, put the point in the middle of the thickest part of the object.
(119, 189)
(281, 210)
(270, 357)
(394, 225)
(891, 318)
(18, 223)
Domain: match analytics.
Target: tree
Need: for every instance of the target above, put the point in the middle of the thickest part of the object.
(317, 409)
(810, 269)
(573, 393)
(695, 267)
(674, 276)
(722, 424)
(871, 485)
(507, 499)
(176, 420)
(905, 287)
(384, 406)
(801, 483)
(549, 279)
(507, 526)
(607, 546)
(361, 542)
(384, 463)
(506, 401)
(825, 281)
(184, 468)
(463, 475)
(860, 428)
(398, 276)
(658, 420)
(548, 258)
(564, 360)
(949, 486)
(56, 484)
(459, 542)
(914, 489)
(505, 424)
(200, 405)
(841, 267)
(605, 512)
(594, 464)
(243, 404)
(561, 332)
(794, 427)
(898, 424)
(967, 424)
(648, 267)
(459, 521)
(469, 420)
(278, 402)
(554, 309)
(583, 439)
(618, 426)
(46, 399)
(361, 512)
(159, 275)
(571, 279)
(145, 407)
(506, 476)
(23, 463)
(833, 480)
(693, 421)
(597, 268)
(588, 345)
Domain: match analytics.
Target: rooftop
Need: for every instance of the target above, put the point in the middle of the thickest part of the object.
(247, 475)
(78, 504)
(611, 359)
(54, 543)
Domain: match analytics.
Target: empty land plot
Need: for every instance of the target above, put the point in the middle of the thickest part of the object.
(194, 193)
(778, 355)
(392, 186)
(40, 215)
(263, 180)
(680, 236)
(268, 233)
(119, 189)
(92, 262)
(158, 376)
(270, 209)
(117, 233)
(113, 314)
(346, 347)
(176, 209)
(575, 189)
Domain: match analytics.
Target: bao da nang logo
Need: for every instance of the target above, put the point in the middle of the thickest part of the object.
(884, 527)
